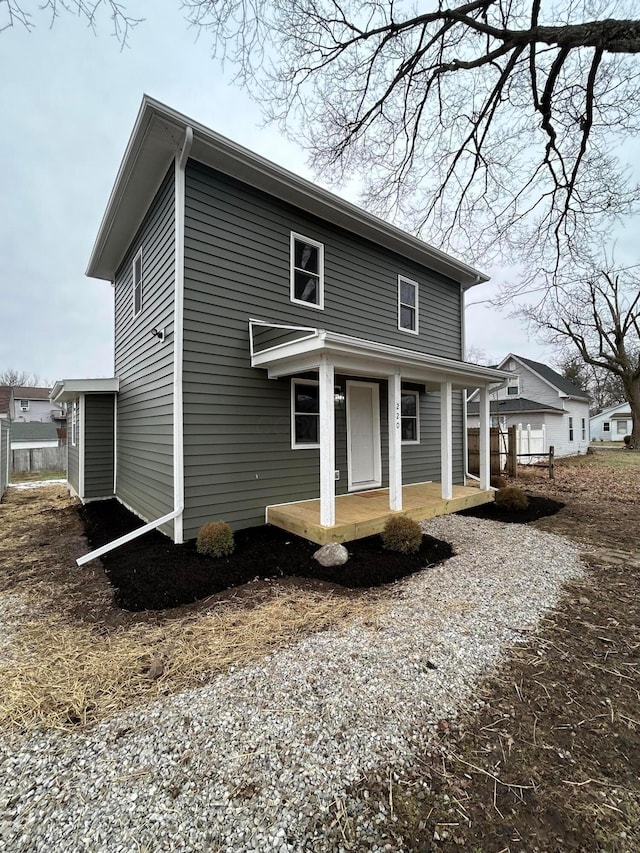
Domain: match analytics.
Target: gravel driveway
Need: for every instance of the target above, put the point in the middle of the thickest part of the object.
(261, 758)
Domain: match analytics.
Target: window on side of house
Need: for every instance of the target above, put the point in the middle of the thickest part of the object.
(136, 283)
(305, 413)
(622, 427)
(307, 271)
(513, 388)
(584, 429)
(570, 429)
(24, 405)
(408, 320)
(74, 423)
(606, 426)
(410, 417)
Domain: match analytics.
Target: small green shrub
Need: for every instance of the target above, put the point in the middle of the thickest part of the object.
(512, 498)
(627, 440)
(215, 539)
(498, 482)
(402, 534)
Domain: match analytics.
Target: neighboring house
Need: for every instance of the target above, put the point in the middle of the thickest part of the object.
(5, 402)
(33, 404)
(32, 435)
(612, 424)
(274, 344)
(536, 395)
(5, 453)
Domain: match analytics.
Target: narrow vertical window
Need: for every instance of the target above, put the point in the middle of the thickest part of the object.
(137, 284)
(74, 423)
(570, 429)
(305, 413)
(407, 305)
(307, 271)
(584, 429)
(410, 422)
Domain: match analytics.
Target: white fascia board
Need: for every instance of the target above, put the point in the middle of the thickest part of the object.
(157, 135)
(372, 358)
(68, 389)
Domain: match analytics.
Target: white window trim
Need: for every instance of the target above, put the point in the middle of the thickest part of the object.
(416, 307)
(24, 405)
(74, 423)
(294, 444)
(514, 383)
(584, 429)
(606, 426)
(133, 284)
(319, 306)
(416, 394)
(571, 433)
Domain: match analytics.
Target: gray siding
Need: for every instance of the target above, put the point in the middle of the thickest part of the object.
(5, 453)
(144, 366)
(73, 453)
(99, 446)
(238, 456)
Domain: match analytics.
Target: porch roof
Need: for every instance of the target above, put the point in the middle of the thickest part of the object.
(67, 389)
(310, 347)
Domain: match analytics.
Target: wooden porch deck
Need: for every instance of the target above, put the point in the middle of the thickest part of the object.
(362, 514)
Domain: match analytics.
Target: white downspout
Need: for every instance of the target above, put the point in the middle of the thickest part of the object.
(178, 338)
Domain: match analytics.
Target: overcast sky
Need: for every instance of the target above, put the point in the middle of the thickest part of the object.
(68, 101)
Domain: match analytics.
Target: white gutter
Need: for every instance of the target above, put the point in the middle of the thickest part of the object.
(178, 339)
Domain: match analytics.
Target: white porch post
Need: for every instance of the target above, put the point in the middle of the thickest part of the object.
(446, 441)
(327, 445)
(485, 459)
(395, 442)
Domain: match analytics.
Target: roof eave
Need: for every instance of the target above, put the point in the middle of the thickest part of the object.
(157, 136)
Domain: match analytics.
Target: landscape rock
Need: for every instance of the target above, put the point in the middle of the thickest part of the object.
(331, 554)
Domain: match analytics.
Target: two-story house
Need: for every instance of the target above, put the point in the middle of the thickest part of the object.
(535, 395)
(280, 354)
(33, 404)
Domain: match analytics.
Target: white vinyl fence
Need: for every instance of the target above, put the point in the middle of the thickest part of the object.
(531, 441)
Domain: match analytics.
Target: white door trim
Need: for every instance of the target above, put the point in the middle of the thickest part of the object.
(377, 462)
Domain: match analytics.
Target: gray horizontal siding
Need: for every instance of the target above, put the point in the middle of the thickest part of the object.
(144, 365)
(238, 457)
(99, 445)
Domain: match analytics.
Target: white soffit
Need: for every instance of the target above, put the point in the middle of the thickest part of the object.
(68, 389)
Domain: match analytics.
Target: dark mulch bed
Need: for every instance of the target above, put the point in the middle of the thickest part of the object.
(538, 507)
(151, 573)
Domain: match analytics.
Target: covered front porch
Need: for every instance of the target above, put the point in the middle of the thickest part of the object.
(365, 513)
(287, 351)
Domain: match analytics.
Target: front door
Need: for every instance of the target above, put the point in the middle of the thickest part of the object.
(363, 435)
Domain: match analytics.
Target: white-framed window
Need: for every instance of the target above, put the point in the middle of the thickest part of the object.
(570, 429)
(513, 387)
(410, 417)
(606, 426)
(136, 283)
(24, 405)
(305, 413)
(622, 427)
(74, 423)
(408, 320)
(307, 271)
(584, 429)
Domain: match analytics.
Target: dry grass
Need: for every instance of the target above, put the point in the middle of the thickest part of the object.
(68, 666)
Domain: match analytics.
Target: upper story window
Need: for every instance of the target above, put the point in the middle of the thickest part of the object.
(513, 388)
(24, 405)
(407, 305)
(137, 283)
(410, 417)
(307, 271)
(305, 413)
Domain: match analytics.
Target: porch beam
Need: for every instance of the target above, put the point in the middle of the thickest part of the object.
(446, 441)
(485, 458)
(327, 444)
(395, 441)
